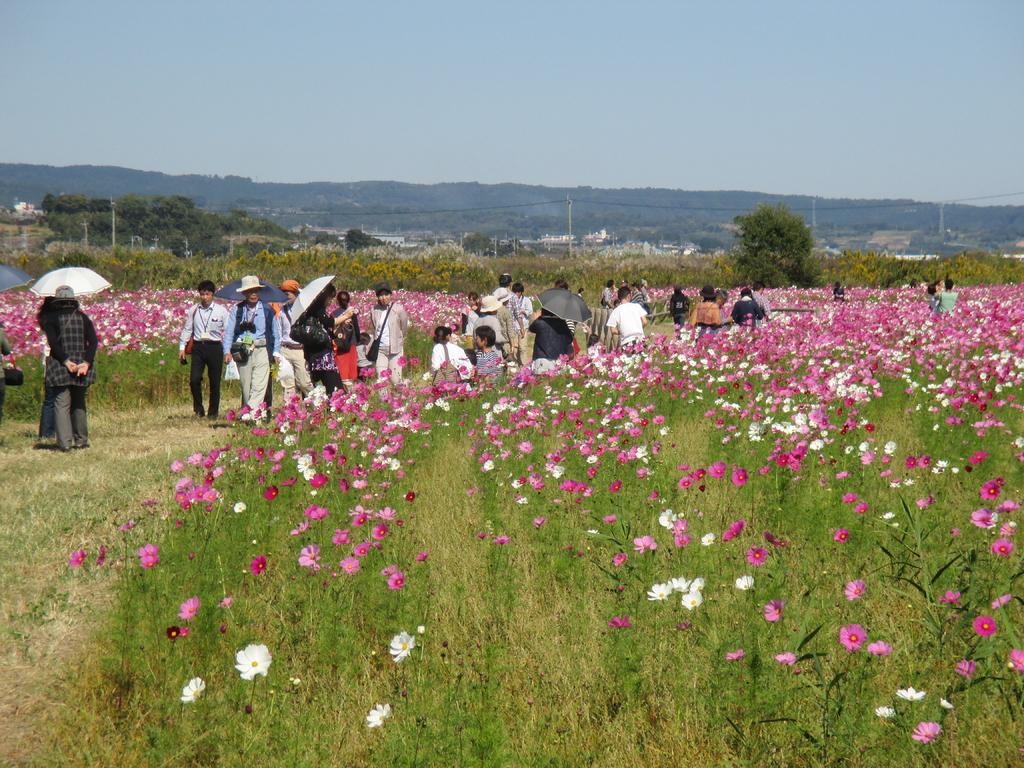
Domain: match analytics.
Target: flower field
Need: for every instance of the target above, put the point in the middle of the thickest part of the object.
(793, 546)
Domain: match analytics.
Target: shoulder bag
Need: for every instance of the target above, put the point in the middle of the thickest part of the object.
(447, 373)
(13, 375)
(373, 350)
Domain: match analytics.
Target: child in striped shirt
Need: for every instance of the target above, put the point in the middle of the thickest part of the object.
(488, 358)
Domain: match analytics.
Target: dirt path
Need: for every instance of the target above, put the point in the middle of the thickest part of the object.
(55, 503)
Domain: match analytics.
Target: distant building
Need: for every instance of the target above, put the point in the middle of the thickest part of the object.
(914, 256)
(556, 240)
(389, 239)
(597, 238)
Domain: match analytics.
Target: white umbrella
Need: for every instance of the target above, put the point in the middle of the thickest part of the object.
(309, 294)
(81, 280)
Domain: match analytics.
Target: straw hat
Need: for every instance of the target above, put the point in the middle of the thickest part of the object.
(489, 304)
(502, 295)
(249, 283)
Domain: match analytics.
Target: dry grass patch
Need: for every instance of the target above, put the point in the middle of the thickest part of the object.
(57, 503)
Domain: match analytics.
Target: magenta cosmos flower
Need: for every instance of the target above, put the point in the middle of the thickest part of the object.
(396, 580)
(1016, 661)
(852, 637)
(149, 556)
(77, 558)
(1002, 547)
(620, 622)
(757, 556)
(258, 565)
(926, 732)
(841, 535)
(985, 626)
(739, 477)
(965, 667)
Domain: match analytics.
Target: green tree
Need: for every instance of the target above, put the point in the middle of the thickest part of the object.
(477, 242)
(774, 246)
(356, 240)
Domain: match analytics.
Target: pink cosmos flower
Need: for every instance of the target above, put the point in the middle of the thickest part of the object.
(539, 521)
(1016, 662)
(258, 565)
(849, 498)
(852, 637)
(340, 537)
(309, 557)
(989, 490)
(619, 559)
(985, 626)
(854, 589)
(189, 609)
(1000, 601)
(739, 477)
(396, 580)
(645, 544)
(616, 486)
(226, 602)
(350, 565)
(609, 519)
(77, 558)
(620, 622)
(950, 598)
(841, 535)
(983, 518)
(380, 531)
(734, 530)
(270, 492)
(1002, 547)
(717, 470)
(773, 610)
(880, 648)
(149, 556)
(736, 655)
(926, 732)
(502, 539)
(319, 480)
(787, 658)
(313, 512)
(757, 556)
(362, 549)
(422, 556)
(965, 667)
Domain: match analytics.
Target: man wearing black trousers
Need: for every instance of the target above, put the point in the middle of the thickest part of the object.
(204, 327)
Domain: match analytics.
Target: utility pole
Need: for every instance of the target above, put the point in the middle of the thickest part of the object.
(85, 226)
(113, 224)
(814, 213)
(568, 201)
(942, 222)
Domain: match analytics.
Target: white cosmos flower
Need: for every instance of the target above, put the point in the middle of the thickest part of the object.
(697, 585)
(667, 519)
(420, 629)
(193, 690)
(253, 660)
(910, 694)
(945, 704)
(378, 715)
(240, 507)
(744, 583)
(402, 645)
(659, 592)
(679, 584)
(707, 539)
(885, 712)
(692, 600)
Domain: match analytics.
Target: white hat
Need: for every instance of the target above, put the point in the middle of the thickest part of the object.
(502, 294)
(250, 282)
(489, 304)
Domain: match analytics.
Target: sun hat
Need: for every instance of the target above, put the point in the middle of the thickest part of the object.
(502, 294)
(64, 292)
(708, 293)
(291, 286)
(249, 283)
(489, 304)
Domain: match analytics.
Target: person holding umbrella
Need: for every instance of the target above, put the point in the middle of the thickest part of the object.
(69, 368)
(553, 327)
(202, 338)
(250, 339)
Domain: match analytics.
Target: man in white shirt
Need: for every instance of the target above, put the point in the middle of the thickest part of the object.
(204, 328)
(291, 350)
(627, 322)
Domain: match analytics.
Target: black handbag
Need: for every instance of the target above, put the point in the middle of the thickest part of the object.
(14, 376)
(311, 334)
(240, 352)
(374, 349)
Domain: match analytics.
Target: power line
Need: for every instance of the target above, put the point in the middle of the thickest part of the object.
(425, 212)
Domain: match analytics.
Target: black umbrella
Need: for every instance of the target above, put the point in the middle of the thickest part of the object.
(565, 304)
(268, 293)
(11, 277)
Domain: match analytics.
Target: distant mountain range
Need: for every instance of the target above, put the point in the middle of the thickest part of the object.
(527, 211)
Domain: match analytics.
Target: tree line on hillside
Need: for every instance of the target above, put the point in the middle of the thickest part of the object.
(167, 223)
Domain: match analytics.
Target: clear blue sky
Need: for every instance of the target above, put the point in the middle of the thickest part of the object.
(915, 98)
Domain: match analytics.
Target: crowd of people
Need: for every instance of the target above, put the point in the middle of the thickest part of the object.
(327, 343)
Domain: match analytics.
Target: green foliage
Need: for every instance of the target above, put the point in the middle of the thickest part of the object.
(775, 247)
(357, 240)
(153, 220)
